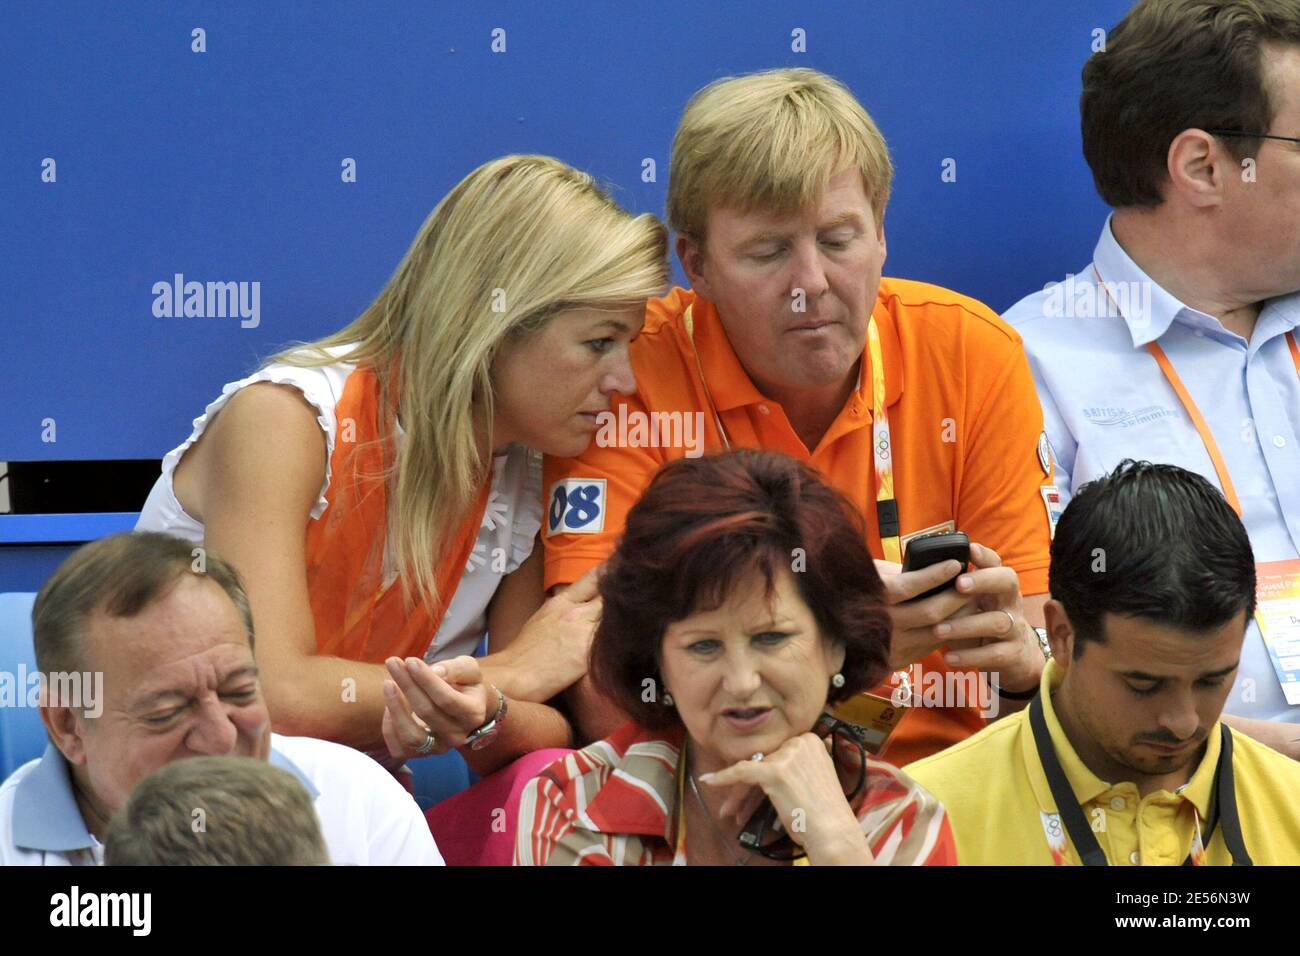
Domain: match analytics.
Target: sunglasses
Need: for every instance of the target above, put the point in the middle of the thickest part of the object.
(763, 833)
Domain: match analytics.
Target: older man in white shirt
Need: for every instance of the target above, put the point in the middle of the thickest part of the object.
(1178, 342)
(162, 638)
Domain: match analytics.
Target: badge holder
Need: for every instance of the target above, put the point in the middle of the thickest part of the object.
(877, 714)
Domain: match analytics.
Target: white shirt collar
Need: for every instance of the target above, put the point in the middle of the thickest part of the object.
(45, 812)
(1147, 322)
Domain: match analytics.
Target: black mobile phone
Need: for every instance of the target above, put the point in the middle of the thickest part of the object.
(928, 549)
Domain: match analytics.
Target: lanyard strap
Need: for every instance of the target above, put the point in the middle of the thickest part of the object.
(1198, 421)
(688, 320)
(1226, 798)
(1223, 802)
(1067, 805)
(1194, 412)
(679, 846)
(882, 457)
(882, 451)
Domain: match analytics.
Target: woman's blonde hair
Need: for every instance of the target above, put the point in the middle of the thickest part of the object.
(518, 240)
(771, 141)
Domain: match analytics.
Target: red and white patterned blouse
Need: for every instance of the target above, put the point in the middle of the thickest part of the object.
(614, 804)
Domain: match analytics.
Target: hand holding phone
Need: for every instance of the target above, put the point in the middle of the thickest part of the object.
(929, 549)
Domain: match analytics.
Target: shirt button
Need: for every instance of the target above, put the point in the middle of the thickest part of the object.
(1279, 441)
(765, 410)
(1118, 803)
(1133, 857)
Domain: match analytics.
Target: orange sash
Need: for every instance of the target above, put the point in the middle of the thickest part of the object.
(356, 617)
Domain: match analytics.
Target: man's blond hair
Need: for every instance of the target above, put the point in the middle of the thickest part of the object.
(771, 141)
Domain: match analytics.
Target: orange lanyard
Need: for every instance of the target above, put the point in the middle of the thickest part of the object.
(1194, 413)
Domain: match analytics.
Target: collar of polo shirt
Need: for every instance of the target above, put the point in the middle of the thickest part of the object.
(46, 817)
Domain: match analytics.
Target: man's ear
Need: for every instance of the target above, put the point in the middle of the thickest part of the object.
(691, 255)
(1060, 633)
(1198, 166)
(66, 729)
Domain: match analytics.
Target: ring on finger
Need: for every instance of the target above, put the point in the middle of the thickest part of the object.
(1010, 617)
(430, 741)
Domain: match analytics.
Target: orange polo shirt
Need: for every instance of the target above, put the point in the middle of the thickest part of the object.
(964, 422)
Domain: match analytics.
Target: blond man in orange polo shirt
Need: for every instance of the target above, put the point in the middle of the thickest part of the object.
(790, 340)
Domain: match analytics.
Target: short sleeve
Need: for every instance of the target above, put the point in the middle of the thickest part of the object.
(320, 388)
(1008, 474)
(587, 500)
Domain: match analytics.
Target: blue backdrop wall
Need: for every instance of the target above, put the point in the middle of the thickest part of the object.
(226, 164)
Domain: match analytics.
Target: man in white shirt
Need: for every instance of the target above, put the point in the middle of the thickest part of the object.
(145, 644)
(1178, 342)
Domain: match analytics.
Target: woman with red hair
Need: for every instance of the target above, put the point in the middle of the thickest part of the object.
(741, 604)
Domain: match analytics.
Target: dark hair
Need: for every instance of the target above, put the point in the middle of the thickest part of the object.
(120, 575)
(1172, 65)
(1151, 541)
(216, 811)
(701, 527)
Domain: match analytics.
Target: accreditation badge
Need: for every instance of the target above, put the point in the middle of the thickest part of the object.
(1277, 611)
(877, 715)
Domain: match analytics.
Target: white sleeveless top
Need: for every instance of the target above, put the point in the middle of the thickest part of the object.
(510, 522)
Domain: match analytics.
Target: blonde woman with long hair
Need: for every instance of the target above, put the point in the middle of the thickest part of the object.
(379, 490)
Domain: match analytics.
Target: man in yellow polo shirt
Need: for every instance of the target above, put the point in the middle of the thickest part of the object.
(1122, 758)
